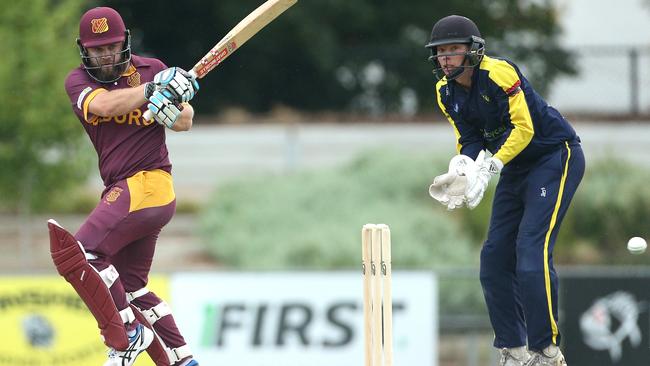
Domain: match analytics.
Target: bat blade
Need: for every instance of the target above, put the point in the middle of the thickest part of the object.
(242, 32)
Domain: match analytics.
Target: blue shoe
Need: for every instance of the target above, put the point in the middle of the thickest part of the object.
(193, 363)
(137, 344)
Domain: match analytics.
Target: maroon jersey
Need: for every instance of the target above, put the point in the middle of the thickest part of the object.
(125, 144)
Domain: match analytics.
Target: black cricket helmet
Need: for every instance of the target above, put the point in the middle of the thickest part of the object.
(456, 29)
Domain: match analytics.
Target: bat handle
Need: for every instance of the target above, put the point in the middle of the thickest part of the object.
(147, 115)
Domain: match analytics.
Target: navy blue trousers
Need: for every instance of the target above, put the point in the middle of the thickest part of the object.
(517, 275)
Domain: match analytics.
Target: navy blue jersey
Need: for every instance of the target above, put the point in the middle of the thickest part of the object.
(501, 112)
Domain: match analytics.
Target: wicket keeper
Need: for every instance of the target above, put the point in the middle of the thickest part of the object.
(491, 106)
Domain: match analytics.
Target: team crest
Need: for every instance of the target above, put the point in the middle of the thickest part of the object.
(133, 80)
(99, 25)
(113, 195)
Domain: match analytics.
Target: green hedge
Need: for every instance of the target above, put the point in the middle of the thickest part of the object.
(612, 204)
(312, 220)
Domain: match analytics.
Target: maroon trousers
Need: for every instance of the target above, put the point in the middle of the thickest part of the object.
(122, 230)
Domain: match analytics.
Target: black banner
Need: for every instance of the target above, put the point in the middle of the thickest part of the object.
(604, 320)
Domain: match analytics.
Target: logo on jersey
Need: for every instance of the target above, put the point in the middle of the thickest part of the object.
(133, 80)
(113, 195)
(99, 25)
(543, 192)
(132, 118)
(495, 133)
(485, 97)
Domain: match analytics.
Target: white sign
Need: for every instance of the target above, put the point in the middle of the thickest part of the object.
(299, 318)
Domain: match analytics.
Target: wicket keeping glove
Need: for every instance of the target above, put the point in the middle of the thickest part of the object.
(485, 168)
(179, 82)
(449, 188)
(161, 105)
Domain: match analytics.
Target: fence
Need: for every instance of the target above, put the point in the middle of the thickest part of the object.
(611, 80)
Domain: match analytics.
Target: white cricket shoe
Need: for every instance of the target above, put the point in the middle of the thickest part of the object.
(550, 356)
(517, 356)
(137, 344)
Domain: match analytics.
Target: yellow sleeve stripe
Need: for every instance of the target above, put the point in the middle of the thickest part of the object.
(523, 131)
(440, 84)
(505, 76)
(89, 98)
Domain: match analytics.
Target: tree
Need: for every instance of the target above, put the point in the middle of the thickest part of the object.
(354, 55)
(40, 140)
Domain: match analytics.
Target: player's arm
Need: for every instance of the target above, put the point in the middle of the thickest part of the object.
(184, 121)
(117, 102)
(512, 102)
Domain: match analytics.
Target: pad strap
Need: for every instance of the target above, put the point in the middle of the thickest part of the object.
(130, 296)
(109, 275)
(152, 315)
(178, 353)
(127, 316)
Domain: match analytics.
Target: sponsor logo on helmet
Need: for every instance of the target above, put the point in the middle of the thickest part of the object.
(113, 195)
(133, 80)
(98, 26)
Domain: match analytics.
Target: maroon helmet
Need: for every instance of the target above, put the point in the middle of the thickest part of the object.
(100, 27)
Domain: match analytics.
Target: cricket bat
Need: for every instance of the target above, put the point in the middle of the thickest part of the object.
(242, 32)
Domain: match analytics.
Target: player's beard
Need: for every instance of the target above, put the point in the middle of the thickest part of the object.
(109, 72)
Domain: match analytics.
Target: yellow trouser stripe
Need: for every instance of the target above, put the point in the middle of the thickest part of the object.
(153, 188)
(547, 274)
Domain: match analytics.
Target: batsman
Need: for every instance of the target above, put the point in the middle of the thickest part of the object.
(108, 260)
(503, 127)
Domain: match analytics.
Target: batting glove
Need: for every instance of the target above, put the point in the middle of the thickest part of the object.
(179, 82)
(163, 108)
